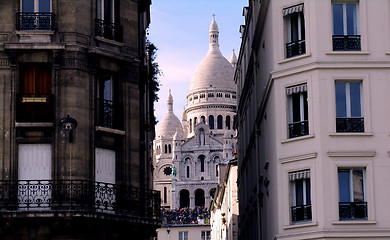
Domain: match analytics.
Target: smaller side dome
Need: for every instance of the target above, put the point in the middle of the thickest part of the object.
(178, 135)
(233, 59)
(169, 124)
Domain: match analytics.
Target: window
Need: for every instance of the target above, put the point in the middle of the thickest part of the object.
(169, 148)
(345, 27)
(219, 122)
(295, 30)
(210, 95)
(201, 160)
(188, 171)
(107, 20)
(195, 121)
(211, 121)
(227, 95)
(349, 110)
(203, 119)
(106, 110)
(219, 94)
(301, 196)
(298, 124)
(228, 122)
(216, 170)
(202, 95)
(165, 194)
(352, 194)
(190, 126)
(183, 235)
(166, 148)
(205, 235)
(35, 15)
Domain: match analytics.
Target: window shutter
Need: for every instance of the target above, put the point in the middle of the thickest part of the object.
(305, 174)
(293, 9)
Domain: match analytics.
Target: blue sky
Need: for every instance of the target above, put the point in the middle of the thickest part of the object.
(179, 29)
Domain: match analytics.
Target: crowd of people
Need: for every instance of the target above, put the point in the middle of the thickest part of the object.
(197, 215)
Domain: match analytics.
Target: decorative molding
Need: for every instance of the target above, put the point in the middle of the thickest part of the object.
(4, 62)
(298, 158)
(76, 63)
(298, 138)
(307, 224)
(33, 124)
(110, 130)
(352, 154)
(353, 222)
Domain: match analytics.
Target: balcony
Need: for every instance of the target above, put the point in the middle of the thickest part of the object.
(298, 129)
(295, 48)
(352, 210)
(78, 197)
(346, 43)
(350, 124)
(301, 213)
(34, 21)
(108, 30)
(34, 108)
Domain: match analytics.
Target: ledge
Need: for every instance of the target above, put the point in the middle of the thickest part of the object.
(298, 158)
(347, 53)
(301, 225)
(352, 154)
(357, 222)
(297, 138)
(295, 58)
(34, 46)
(33, 124)
(110, 130)
(102, 39)
(349, 134)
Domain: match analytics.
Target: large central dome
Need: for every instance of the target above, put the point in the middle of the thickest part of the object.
(214, 71)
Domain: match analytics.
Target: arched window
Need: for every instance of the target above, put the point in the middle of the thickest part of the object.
(184, 198)
(169, 148)
(216, 170)
(195, 121)
(203, 119)
(219, 122)
(199, 198)
(201, 160)
(228, 122)
(211, 121)
(190, 125)
(166, 148)
(234, 122)
(188, 171)
(165, 194)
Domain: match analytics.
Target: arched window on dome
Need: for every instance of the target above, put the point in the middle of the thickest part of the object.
(195, 121)
(169, 148)
(211, 121)
(219, 122)
(190, 125)
(166, 148)
(228, 122)
(203, 119)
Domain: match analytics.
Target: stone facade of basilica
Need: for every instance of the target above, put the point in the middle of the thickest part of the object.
(187, 153)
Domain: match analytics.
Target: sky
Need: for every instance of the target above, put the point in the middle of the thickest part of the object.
(180, 31)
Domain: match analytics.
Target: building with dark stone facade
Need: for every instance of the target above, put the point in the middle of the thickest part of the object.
(75, 121)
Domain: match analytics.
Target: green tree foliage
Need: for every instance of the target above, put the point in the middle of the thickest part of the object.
(154, 70)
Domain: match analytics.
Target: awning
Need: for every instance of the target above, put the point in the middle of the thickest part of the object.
(296, 89)
(294, 9)
(299, 175)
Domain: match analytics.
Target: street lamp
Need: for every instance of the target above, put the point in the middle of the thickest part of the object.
(68, 124)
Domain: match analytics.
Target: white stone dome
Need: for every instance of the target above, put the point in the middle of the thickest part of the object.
(169, 124)
(214, 71)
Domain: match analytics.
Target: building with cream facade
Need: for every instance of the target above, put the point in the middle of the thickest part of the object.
(186, 153)
(313, 120)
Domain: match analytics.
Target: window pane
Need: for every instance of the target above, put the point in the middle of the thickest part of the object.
(338, 28)
(344, 186)
(358, 186)
(296, 111)
(299, 192)
(355, 100)
(351, 19)
(294, 27)
(28, 6)
(99, 9)
(305, 111)
(341, 107)
(107, 90)
(44, 5)
(211, 121)
(308, 191)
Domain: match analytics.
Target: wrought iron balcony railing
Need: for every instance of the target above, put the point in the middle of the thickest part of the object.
(301, 213)
(78, 196)
(106, 113)
(297, 129)
(352, 210)
(34, 21)
(34, 108)
(295, 48)
(346, 43)
(108, 30)
(350, 124)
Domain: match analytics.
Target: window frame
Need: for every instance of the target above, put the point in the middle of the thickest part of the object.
(294, 22)
(183, 235)
(306, 199)
(303, 123)
(36, 6)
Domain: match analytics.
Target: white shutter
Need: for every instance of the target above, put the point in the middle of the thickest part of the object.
(105, 165)
(34, 162)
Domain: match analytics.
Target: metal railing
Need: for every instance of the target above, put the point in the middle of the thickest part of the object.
(108, 30)
(301, 213)
(346, 43)
(34, 108)
(295, 48)
(297, 129)
(34, 21)
(352, 210)
(78, 196)
(350, 124)
(106, 113)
